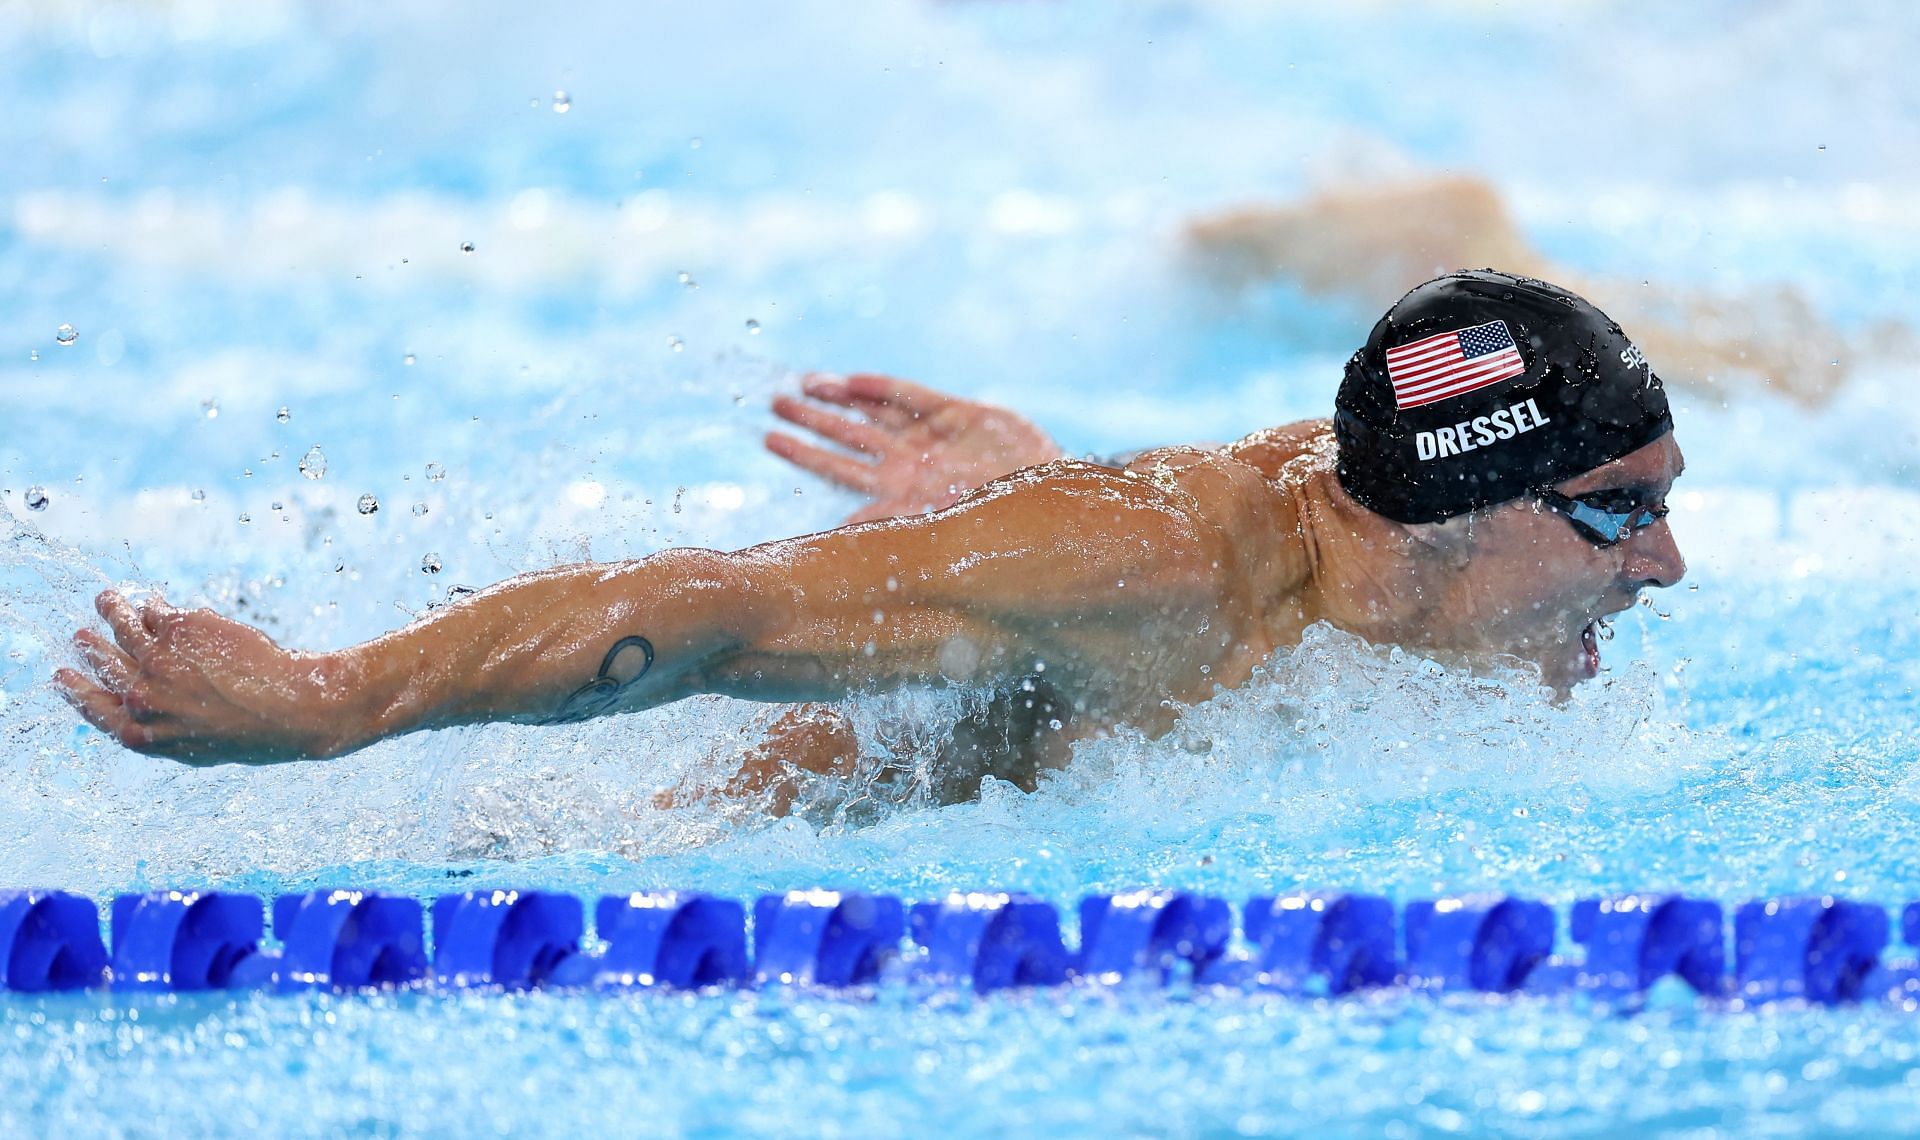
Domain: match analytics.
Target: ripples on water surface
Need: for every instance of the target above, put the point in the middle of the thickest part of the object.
(534, 337)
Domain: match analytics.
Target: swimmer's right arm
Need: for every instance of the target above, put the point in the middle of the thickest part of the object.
(1012, 579)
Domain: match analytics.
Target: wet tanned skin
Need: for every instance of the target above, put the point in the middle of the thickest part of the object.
(1122, 588)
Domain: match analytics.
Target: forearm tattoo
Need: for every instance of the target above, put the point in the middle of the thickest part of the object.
(607, 687)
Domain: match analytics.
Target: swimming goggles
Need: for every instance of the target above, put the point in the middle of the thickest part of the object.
(1605, 518)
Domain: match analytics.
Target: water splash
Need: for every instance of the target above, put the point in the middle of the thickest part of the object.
(314, 463)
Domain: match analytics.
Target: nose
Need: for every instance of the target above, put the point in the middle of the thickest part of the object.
(1653, 556)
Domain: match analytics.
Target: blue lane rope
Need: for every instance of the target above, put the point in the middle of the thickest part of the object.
(1821, 950)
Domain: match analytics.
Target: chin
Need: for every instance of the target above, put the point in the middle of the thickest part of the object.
(1571, 662)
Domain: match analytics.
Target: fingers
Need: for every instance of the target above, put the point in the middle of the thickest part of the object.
(108, 661)
(857, 434)
(129, 629)
(884, 399)
(829, 465)
(902, 394)
(101, 709)
(155, 613)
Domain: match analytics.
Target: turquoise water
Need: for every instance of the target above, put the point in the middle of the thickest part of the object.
(243, 209)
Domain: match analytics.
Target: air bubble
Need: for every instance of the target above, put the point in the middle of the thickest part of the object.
(753, 327)
(283, 415)
(419, 510)
(210, 408)
(435, 472)
(314, 463)
(466, 247)
(199, 496)
(407, 360)
(245, 518)
(37, 498)
(687, 280)
(430, 564)
(675, 343)
(33, 354)
(279, 506)
(65, 335)
(562, 103)
(367, 504)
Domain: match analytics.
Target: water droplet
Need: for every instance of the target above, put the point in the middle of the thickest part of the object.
(283, 415)
(314, 463)
(199, 496)
(435, 472)
(676, 344)
(430, 564)
(37, 498)
(753, 327)
(210, 408)
(466, 247)
(367, 504)
(562, 103)
(65, 335)
(419, 510)
(407, 359)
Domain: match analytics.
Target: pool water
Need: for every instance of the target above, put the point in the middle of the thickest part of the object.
(249, 208)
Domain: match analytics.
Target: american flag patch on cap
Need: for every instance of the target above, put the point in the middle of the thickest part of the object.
(1452, 364)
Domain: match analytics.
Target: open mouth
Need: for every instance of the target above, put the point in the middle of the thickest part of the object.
(1591, 635)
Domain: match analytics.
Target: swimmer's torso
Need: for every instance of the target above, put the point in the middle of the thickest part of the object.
(1125, 671)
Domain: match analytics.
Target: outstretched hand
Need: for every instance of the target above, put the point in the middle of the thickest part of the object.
(198, 687)
(915, 449)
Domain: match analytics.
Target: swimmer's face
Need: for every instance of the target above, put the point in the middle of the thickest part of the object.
(1535, 587)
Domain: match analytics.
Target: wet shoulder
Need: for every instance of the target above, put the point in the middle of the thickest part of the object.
(1251, 514)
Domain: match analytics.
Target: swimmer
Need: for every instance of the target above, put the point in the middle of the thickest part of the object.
(1369, 243)
(1491, 486)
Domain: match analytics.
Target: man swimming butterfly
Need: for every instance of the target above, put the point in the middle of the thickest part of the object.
(1492, 485)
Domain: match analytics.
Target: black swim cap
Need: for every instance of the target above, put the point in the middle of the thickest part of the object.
(1480, 386)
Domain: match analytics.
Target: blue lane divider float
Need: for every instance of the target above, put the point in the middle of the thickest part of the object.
(1339, 942)
(668, 938)
(825, 938)
(1819, 950)
(49, 940)
(989, 940)
(1151, 933)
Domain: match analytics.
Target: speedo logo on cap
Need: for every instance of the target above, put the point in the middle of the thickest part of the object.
(1452, 364)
